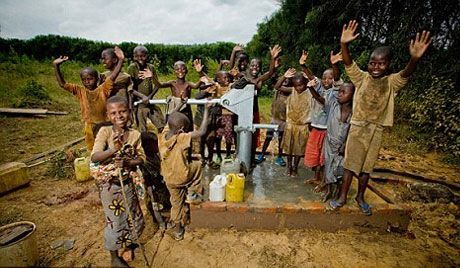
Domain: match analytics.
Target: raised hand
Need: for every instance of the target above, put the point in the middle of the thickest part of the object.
(290, 73)
(225, 62)
(336, 58)
(238, 47)
(418, 46)
(60, 60)
(311, 83)
(119, 53)
(275, 51)
(348, 32)
(303, 57)
(197, 65)
(145, 74)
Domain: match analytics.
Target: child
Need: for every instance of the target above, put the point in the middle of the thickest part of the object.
(314, 157)
(241, 59)
(123, 81)
(373, 106)
(283, 90)
(252, 76)
(338, 107)
(180, 88)
(145, 86)
(116, 154)
(297, 117)
(92, 97)
(182, 177)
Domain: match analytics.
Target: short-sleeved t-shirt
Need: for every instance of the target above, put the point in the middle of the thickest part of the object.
(175, 167)
(92, 102)
(374, 98)
(121, 84)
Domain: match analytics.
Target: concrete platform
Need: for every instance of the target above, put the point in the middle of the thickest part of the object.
(274, 201)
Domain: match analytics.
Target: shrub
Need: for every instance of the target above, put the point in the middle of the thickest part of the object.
(32, 95)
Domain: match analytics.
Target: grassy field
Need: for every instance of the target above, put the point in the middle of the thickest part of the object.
(23, 137)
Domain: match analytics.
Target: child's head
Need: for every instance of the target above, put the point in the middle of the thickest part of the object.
(223, 78)
(379, 63)
(180, 69)
(109, 58)
(118, 111)
(346, 92)
(178, 122)
(328, 78)
(255, 67)
(299, 82)
(89, 78)
(242, 61)
(140, 55)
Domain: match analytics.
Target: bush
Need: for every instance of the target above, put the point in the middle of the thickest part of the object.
(32, 95)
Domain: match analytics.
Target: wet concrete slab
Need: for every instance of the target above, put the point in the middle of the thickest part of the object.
(273, 200)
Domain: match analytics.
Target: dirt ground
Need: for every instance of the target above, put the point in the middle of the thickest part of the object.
(64, 209)
(72, 210)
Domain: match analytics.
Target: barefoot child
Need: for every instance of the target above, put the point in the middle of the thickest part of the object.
(373, 107)
(116, 154)
(91, 97)
(180, 88)
(297, 118)
(145, 86)
(314, 157)
(182, 177)
(338, 107)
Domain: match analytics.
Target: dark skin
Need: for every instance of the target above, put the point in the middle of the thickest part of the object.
(140, 58)
(118, 113)
(377, 67)
(345, 99)
(300, 85)
(88, 80)
(181, 87)
(256, 66)
(176, 127)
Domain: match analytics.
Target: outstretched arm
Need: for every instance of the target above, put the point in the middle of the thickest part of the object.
(117, 69)
(236, 48)
(204, 124)
(417, 48)
(57, 70)
(279, 84)
(274, 53)
(311, 86)
(303, 62)
(348, 35)
(335, 68)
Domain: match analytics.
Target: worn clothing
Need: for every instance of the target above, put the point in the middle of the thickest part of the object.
(374, 98)
(92, 102)
(146, 87)
(314, 155)
(118, 233)
(298, 116)
(318, 115)
(121, 84)
(89, 136)
(180, 175)
(225, 128)
(173, 103)
(362, 147)
(336, 137)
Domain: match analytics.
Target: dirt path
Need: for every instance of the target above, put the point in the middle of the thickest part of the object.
(65, 209)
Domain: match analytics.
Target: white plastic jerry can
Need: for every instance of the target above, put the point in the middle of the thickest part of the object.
(217, 188)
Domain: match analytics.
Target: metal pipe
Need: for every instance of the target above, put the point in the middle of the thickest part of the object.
(189, 101)
(266, 126)
(244, 146)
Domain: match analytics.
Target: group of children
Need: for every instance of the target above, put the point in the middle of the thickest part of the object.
(338, 130)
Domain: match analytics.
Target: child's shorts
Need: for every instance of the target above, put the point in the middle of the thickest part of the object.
(314, 155)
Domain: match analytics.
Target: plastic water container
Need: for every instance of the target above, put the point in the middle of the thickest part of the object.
(230, 166)
(235, 187)
(217, 188)
(82, 169)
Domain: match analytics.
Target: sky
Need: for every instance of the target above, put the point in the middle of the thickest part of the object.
(140, 21)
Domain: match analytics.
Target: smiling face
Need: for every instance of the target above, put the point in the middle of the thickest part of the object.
(223, 78)
(118, 113)
(180, 70)
(255, 67)
(141, 56)
(378, 65)
(108, 59)
(242, 62)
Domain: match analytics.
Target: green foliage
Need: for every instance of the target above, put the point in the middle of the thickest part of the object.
(61, 164)
(47, 47)
(31, 95)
